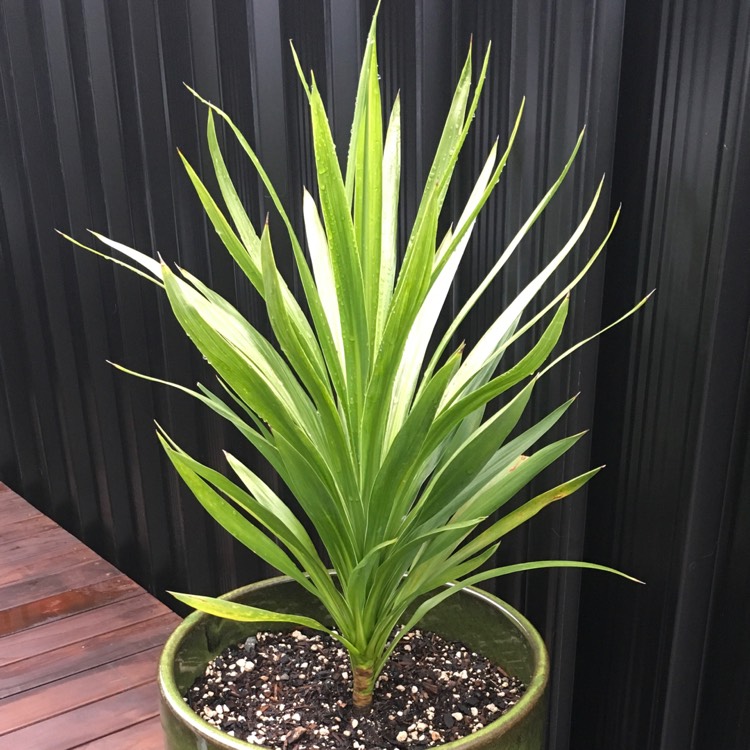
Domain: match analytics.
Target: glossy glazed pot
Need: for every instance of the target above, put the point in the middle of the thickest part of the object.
(481, 621)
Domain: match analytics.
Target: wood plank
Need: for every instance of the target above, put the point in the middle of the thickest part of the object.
(27, 527)
(79, 657)
(57, 556)
(58, 596)
(40, 545)
(88, 723)
(79, 627)
(79, 642)
(148, 735)
(14, 508)
(78, 690)
(41, 587)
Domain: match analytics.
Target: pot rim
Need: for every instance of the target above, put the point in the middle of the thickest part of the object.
(534, 692)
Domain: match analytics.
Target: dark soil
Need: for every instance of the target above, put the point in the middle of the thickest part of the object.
(293, 691)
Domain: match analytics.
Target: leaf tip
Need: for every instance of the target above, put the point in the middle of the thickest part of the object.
(196, 94)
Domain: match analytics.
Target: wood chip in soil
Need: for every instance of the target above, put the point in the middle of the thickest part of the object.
(292, 691)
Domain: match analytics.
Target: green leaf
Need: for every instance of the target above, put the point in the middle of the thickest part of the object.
(250, 261)
(486, 575)
(562, 295)
(502, 260)
(260, 425)
(322, 264)
(435, 572)
(523, 514)
(246, 613)
(329, 512)
(265, 505)
(337, 449)
(151, 265)
(233, 521)
(487, 348)
(308, 284)
(476, 204)
(414, 277)
(368, 196)
(144, 260)
(452, 415)
(241, 255)
(358, 592)
(344, 253)
(242, 357)
(490, 479)
(369, 60)
(391, 172)
(396, 475)
(512, 479)
(465, 464)
(585, 341)
(418, 340)
(260, 170)
(258, 438)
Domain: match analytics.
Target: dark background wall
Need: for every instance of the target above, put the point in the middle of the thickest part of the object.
(92, 110)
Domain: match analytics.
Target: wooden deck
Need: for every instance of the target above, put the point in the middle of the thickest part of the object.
(79, 642)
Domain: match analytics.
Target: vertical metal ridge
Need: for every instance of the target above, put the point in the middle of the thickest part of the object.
(101, 410)
(667, 521)
(342, 47)
(138, 123)
(62, 434)
(28, 464)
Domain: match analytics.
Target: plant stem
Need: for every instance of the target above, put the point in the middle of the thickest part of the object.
(362, 694)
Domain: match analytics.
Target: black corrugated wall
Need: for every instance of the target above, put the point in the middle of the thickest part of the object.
(92, 112)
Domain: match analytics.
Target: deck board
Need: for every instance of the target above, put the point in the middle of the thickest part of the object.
(12, 532)
(28, 603)
(79, 642)
(87, 723)
(143, 736)
(78, 627)
(78, 690)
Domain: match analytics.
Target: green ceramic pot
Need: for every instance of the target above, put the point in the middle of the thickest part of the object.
(481, 621)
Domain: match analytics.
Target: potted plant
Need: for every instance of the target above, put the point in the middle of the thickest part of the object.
(382, 438)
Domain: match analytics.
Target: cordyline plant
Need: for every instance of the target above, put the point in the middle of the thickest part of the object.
(389, 454)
